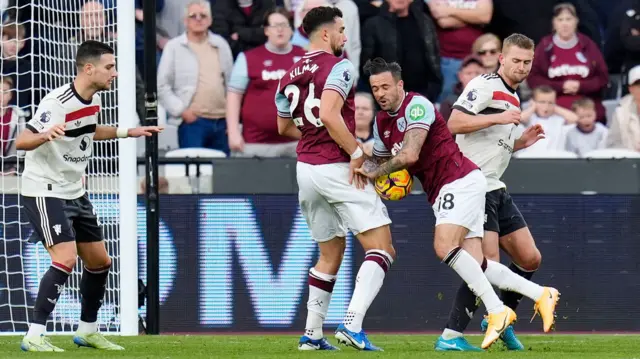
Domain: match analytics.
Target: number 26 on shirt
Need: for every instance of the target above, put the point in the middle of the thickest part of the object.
(309, 104)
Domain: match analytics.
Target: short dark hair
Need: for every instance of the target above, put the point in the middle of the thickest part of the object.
(90, 51)
(277, 10)
(319, 16)
(379, 66)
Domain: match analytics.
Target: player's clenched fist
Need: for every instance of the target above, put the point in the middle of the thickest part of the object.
(56, 131)
(509, 117)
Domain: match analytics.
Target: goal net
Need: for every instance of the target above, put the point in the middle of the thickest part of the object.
(46, 34)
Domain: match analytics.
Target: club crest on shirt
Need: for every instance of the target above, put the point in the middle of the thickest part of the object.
(472, 95)
(402, 124)
(84, 143)
(45, 117)
(580, 57)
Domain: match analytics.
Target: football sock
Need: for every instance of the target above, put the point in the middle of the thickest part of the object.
(464, 306)
(470, 271)
(368, 283)
(512, 299)
(92, 288)
(51, 285)
(503, 278)
(320, 289)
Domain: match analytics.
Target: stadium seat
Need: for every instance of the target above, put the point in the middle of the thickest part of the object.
(610, 107)
(613, 153)
(544, 153)
(178, 170)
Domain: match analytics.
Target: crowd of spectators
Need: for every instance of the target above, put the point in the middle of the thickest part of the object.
(219, 62)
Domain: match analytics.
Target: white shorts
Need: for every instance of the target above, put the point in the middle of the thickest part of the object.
(461, 202)
(332, 207)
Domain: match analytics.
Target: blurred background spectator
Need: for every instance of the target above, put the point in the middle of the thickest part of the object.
(543, 110)
(254, 80)
(470, 68)
(459, 25)
(194, 70)
(488, 47)
(570, 63)
(404, 32)
(240, 22)
(365, 112)
(586, 135)
(353, 47)
(216, 102)
(11, 124)
(17, 66)
(625, 124)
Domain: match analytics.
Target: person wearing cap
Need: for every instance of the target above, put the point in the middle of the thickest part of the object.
(470, 68)
(624, 131)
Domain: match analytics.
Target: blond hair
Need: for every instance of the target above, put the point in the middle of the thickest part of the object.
(584, 103)
(483, 39)
(518, 40)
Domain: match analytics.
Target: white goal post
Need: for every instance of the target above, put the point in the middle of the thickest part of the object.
(52, 36)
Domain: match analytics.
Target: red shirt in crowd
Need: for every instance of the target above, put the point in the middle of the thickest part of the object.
(553, 65)
(258, 79)
(457, 43)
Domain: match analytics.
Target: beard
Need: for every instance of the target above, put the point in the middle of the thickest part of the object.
(337, 51)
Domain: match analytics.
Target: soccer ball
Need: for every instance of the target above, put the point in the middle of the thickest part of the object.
(395, 186)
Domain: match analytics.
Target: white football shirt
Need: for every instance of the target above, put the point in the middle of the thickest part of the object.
(490, 148)
(55, 169)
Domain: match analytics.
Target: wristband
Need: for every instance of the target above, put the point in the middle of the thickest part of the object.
(357, 153)
(122, 132)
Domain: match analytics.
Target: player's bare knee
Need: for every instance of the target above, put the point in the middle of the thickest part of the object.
(64, 253)
(532, 261)
(99, 263)
(442, 247)
(492, 254)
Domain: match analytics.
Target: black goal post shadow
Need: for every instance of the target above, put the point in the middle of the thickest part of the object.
(151, 169)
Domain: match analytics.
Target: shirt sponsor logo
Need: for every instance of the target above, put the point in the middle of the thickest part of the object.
(504, 145)
(79, 159)
(417, 112)
(272, 75)
(396, 148)
(568, 70)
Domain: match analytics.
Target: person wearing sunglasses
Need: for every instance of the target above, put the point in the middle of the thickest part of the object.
(488, 47)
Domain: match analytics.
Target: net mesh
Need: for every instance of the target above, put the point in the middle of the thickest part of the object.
(46, 35)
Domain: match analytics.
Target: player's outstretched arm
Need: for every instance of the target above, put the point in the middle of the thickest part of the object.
(287, 128)
(110, 133)
(461, 122)
(530, 136)
(30, 138)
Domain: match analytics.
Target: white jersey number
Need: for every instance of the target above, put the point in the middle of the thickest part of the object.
(309, 104)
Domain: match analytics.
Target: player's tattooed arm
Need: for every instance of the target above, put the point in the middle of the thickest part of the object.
(412, 145)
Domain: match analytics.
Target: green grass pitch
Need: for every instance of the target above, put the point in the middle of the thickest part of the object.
(284, 346)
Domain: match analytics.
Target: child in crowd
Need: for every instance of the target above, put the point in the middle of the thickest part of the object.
(587, 135)
(543, 110)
